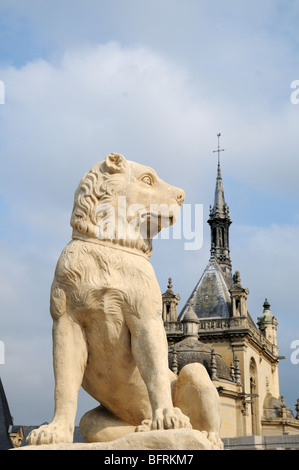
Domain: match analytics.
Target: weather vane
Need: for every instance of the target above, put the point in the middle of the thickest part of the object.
(219, 149)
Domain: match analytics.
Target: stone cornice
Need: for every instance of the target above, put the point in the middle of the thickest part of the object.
(233, 328)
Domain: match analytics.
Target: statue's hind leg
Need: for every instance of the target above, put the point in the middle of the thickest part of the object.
(197, 397)
(100, 425)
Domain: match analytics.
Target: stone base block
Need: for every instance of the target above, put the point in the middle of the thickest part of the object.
(176, 439)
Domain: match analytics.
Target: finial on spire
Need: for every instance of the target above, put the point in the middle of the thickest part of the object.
(266, 305)
(219, 149)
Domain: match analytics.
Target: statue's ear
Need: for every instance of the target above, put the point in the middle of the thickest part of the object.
(116, 163)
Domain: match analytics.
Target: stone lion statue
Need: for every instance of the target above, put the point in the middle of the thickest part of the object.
(108, 333)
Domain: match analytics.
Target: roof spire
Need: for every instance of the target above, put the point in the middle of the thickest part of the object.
(219, 222)
(220, 205)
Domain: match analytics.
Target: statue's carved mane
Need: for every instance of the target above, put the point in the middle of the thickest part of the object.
(101, 185)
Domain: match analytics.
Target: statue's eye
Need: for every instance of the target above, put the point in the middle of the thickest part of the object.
(147, 180)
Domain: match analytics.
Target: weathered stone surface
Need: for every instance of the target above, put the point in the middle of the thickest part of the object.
(176, 439)
(108, 333)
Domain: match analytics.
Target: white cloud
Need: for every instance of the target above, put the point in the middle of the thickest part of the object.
(59, 119)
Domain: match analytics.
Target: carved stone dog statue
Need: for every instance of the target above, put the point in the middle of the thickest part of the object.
(108, 333)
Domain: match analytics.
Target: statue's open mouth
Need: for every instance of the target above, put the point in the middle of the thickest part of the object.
(155, 221)
(160, 220)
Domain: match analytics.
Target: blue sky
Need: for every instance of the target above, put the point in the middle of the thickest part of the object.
(155, 81)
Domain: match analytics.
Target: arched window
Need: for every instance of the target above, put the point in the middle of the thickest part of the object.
(221, 236)
(214, 236)
(167, 312)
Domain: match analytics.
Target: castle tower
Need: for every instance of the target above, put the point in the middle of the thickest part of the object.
(170, 304)
(215, 324)
(267, 324)
(239, 297)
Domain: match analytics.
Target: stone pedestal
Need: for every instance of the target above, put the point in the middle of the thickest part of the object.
(177, 439)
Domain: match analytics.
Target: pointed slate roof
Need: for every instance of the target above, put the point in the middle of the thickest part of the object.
(211, 297)
(5, 420)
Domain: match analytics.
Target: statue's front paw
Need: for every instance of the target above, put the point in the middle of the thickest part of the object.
(144, 426)
(170, 418)
(52, 433)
